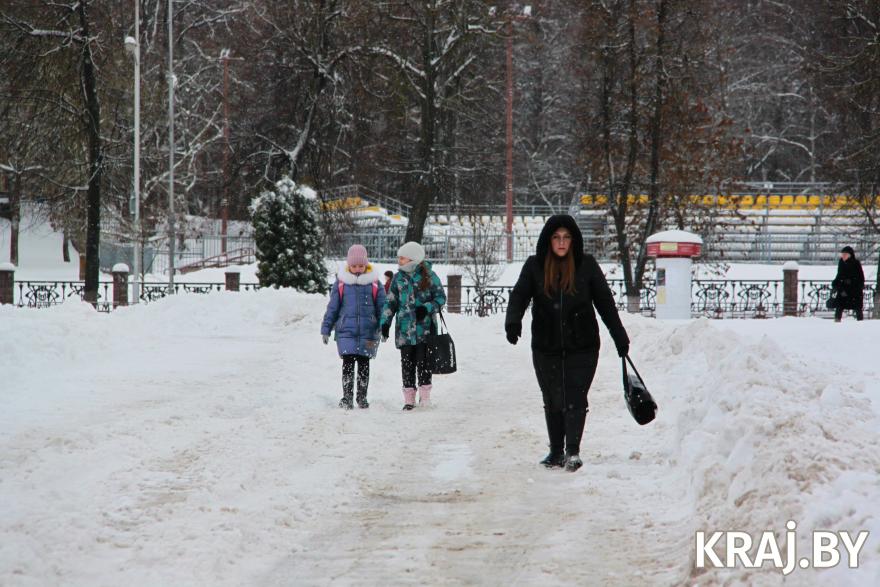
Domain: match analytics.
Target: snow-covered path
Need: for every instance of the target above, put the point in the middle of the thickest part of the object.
(196, 441)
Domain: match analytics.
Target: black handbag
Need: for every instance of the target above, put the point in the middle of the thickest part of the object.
(441, 351)
(638, 400)
(833, 301)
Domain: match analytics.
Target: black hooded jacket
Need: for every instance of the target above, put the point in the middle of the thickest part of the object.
(850, 280)
(565, 322)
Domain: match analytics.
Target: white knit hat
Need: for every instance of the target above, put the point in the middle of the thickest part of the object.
(412, 250)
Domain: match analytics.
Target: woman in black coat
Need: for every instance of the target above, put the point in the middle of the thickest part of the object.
(563, 284)
(849, 284)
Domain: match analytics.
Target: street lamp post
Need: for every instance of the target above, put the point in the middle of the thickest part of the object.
(171, 81)
(132, 45)
(508, 180)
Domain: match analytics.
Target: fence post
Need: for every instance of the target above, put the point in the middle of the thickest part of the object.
(453, 295)
(790, 288)
(233, 280)
(120, 284)
(7, 283)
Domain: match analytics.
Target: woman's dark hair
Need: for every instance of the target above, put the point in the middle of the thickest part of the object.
(559, 273)
(389, 274)
(425, 281)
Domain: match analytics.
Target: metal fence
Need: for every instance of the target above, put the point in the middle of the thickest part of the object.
(195, 250)
(712, 298)
(45, 294)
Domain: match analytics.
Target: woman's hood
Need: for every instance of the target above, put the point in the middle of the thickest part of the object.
(553, 224)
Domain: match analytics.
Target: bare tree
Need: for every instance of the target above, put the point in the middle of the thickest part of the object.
(481, 262)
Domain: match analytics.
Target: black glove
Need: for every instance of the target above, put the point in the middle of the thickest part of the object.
(514, 331)
(421, 312)
(621, 341)
(386, 330)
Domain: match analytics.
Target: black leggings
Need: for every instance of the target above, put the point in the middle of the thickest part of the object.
(564, 384)
(414, 359)
(363, 374)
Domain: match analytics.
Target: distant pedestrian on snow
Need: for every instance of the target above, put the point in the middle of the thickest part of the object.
(354, 311)
(389, 275)
(415, 296)
(563, 284)
(849, 285)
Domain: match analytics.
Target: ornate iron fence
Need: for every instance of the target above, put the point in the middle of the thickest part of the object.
(45, 294)
(713, 298)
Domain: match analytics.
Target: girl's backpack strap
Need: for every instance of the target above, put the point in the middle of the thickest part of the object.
(375, 290)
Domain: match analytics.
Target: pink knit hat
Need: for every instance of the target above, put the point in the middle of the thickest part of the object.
(357, 255)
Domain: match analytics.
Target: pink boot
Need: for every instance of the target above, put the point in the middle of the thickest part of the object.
(409, 398)
(424, 396)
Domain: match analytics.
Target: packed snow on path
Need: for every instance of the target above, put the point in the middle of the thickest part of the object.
(196, 441)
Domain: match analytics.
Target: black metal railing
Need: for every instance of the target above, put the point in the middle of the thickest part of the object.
(45, 294)
(713, 298)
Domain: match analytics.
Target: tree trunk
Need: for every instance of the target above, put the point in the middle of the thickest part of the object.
(419, 214)
(93, 128)
(14, 218)
(65, 247)
(426, 192)
(656, 143)
(618, 194)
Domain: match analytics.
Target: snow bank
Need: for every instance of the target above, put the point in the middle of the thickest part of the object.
(766, 435)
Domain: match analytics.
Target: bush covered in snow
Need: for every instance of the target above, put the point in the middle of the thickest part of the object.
(288, 238)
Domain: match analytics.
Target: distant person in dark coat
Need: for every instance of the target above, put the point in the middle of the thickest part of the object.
(849, 285)
(562, 284)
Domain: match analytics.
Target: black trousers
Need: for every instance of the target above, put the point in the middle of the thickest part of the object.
(414, 361)
(565, 381)
(363, 375)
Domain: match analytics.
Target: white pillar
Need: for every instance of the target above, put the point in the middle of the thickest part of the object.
(674, 288)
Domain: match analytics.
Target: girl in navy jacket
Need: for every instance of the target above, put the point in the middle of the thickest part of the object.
(354, 311)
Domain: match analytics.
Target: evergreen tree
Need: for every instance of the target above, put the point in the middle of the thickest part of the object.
(288, 238)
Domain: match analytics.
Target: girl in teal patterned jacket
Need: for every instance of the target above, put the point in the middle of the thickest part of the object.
(416, 296)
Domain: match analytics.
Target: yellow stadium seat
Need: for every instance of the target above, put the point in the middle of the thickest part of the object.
(814, 201)
(800, 202)
(760, 202)
(787, 202)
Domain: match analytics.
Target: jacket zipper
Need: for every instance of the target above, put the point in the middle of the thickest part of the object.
(562, 344)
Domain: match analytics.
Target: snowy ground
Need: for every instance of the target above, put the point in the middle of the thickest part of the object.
(195, 441)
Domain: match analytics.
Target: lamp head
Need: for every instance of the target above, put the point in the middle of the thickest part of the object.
(131, 45)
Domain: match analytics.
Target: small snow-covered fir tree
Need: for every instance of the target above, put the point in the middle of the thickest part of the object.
(288, 238)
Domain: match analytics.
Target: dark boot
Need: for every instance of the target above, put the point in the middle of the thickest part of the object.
(345, 403)
(556, 433)
(574, 430)
(362, 395)
(363, 382)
